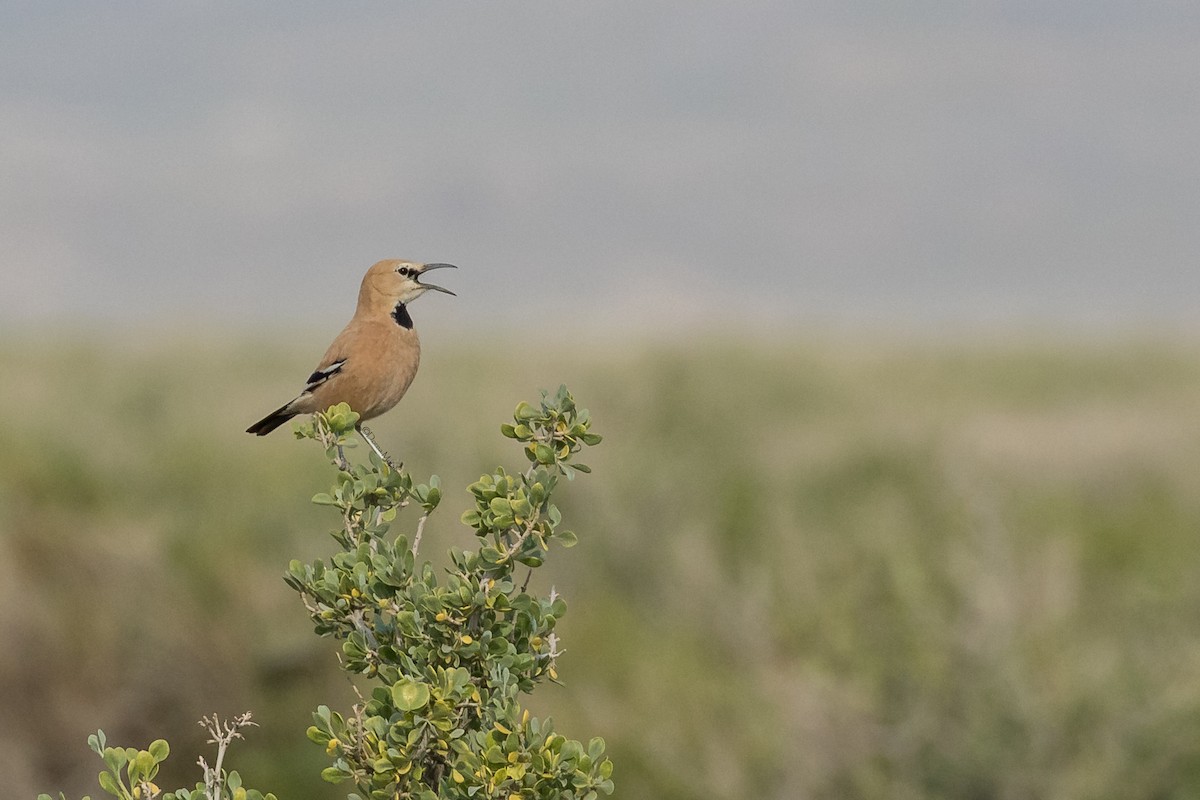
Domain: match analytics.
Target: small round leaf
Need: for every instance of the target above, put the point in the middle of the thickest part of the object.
(409, 695)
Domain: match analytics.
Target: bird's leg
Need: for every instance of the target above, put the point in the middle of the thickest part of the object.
(369, 438)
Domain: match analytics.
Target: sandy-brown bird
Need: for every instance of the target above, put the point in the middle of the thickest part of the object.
(373, 360)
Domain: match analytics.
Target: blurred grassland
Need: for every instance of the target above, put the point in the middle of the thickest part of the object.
(815, 568)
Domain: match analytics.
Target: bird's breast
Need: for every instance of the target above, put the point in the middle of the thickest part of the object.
(381, 360)
(398, 356)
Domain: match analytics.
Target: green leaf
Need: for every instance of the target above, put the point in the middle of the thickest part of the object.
(567, 538)
(595, 748)
(340, 418)
(159, 750)
(410, 695)
(333, 775)
(458, 677)
(109, 784)
(141, 766)
(115, 758)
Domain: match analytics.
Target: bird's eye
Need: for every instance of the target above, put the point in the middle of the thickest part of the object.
(403, 271)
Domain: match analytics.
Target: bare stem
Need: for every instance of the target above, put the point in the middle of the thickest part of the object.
(222, 733)
(420, 529)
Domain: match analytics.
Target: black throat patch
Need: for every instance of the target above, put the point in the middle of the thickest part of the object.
(400, 314)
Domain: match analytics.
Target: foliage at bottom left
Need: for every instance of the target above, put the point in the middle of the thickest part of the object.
(129, 773)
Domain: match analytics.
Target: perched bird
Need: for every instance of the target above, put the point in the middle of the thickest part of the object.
(373, 360)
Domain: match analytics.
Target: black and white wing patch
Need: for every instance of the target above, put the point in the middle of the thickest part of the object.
(324, 374)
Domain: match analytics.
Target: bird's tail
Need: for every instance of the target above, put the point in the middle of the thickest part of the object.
(272, 421)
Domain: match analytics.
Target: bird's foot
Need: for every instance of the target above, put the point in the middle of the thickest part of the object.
(369, 438)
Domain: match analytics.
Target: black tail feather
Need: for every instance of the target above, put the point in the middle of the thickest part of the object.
(271, 421)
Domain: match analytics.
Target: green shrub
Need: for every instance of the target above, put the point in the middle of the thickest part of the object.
(449, 658)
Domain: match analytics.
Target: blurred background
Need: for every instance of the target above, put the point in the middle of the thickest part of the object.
(887, 312)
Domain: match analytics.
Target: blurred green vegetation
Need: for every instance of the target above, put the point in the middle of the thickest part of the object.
(840, 568)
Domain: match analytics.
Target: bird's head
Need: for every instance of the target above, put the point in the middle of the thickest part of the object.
(394, 281)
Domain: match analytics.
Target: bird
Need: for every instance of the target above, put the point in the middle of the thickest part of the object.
(371, 363)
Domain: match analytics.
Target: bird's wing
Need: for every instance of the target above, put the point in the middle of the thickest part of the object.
(322, 374)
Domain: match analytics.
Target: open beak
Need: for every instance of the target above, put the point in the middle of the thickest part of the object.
(429, 267)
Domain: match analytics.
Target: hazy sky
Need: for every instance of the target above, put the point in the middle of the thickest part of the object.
(615, 162)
